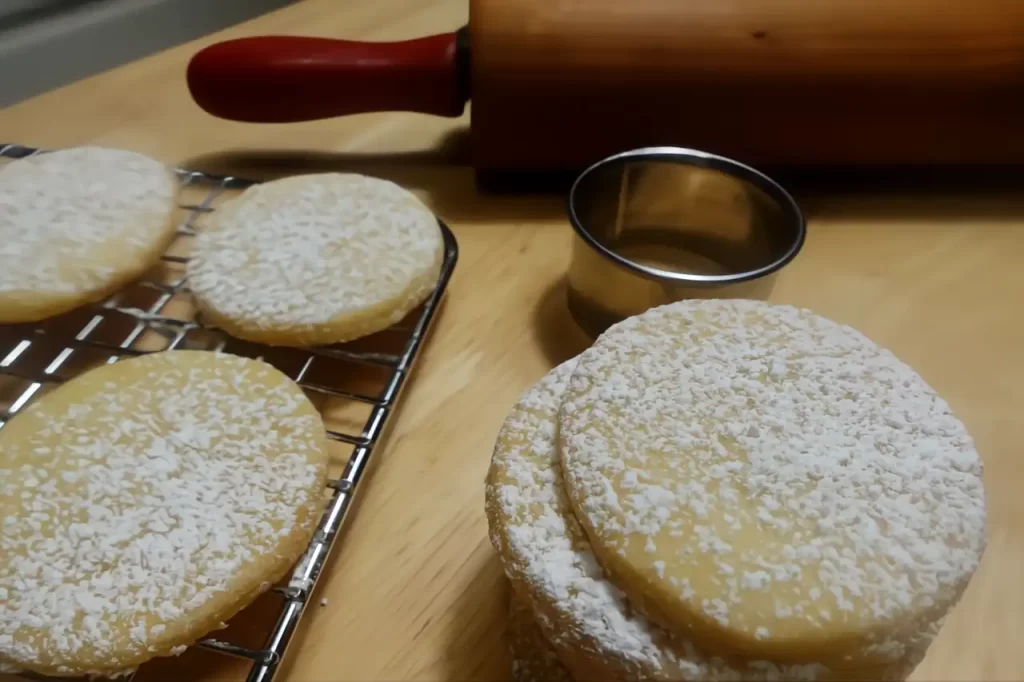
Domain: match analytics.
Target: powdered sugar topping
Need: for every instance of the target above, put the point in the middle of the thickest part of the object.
(805, 482)
(548, 554)
(533, 659)
(61, 212)
(142, 495)
(307, 249)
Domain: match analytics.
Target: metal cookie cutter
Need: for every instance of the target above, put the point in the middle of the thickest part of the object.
(660, 224)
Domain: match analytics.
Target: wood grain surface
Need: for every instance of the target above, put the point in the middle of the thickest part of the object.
(414, 591)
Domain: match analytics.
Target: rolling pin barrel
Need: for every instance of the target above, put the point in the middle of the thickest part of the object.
(560, 85)
(769, 82)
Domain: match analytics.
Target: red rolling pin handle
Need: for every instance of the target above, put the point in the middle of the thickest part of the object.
(278, 79)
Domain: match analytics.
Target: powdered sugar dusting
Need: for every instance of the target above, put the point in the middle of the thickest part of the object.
(142, 501)
(808, 485)
(63, 213)
(308, 250)
(547, 554)
(533, 659)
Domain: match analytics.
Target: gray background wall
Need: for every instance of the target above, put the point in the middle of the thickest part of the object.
(47, 43)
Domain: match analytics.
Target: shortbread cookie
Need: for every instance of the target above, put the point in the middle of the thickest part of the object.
(146, 502)
(315, 259)
(533, 659)
(78, 224)
(547, 557)
(771, 482)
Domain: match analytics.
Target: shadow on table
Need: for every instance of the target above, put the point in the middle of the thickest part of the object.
(913, 193)
(557, 333)
(917, 207)
(447, 181)
(444, 176)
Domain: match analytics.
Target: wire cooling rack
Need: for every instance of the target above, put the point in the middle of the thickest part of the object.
(358, 383)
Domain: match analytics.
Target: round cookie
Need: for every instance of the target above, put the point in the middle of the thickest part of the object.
(533, 659)
(78, 224)
(771, 482)
(546, 556)
(315, 259)
(146, 502)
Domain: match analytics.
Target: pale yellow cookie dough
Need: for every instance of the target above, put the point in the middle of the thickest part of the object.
(78, 224)
(315, 259)
(533, 659)
(146, 502)
(772, 483)
(587, 620)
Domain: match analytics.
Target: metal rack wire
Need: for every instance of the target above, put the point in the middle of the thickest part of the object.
(145, 318)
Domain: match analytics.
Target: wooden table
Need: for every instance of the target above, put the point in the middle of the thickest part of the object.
(416, 591)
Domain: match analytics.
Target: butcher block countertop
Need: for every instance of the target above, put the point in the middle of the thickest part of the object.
(415, 591)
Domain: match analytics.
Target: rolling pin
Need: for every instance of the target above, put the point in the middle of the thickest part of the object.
(557, 84)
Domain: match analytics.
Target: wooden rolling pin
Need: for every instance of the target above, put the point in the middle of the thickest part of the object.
(557, 84)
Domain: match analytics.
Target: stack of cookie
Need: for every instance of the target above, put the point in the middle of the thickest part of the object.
(732, 490)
